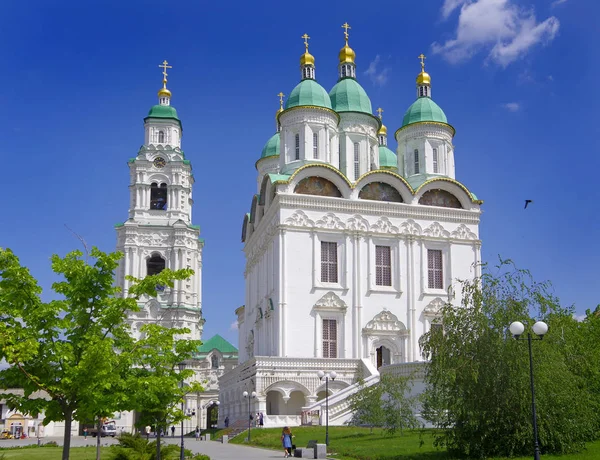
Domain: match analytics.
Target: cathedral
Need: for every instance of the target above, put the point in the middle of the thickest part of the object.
(159, 234)
(351, 249)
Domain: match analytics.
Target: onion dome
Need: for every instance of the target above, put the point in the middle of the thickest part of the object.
(308, 93)
(271, 148)
(387, 159)
(347, 55)
(307, 58)
(348, 96)
(423, 78)
(163, 109)
(424, 109)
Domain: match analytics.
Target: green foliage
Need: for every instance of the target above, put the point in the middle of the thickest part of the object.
(478, 391)
(77, 349)
(386, 404)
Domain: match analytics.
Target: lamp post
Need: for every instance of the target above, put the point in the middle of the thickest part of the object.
(182, 453)
(329, 376)
(249, 396)
(540, 328)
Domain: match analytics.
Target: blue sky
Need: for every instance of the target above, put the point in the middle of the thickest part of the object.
(515, 79)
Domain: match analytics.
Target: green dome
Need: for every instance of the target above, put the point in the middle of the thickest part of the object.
(271, 148)
(348, 96)
(308, 92)
(163, 111)
(387, 158)
(424, 109)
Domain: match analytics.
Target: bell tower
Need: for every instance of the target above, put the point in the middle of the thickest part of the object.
(159, 233)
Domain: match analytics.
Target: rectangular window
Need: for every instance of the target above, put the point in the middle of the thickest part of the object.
(383, 266)
(435, 161)
(329, 338)
(315, 145)
(356, 160)
(416, 161)
(297, 147)
(434, 267)
(329, 263)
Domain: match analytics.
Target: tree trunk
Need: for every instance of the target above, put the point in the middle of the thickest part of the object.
(67, 437)
(98, 436)
(157, 442)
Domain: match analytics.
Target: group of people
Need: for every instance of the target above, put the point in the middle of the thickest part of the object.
(259, 420)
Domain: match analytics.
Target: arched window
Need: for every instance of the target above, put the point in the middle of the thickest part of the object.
(214, 362)
(297, 157)
(435, 161)
(161, 137)
(343, 71)
(440, 198)
(416, 161)
(317, 186)
(155, 265)
(315, 145)
(158, 196)
(356, 160)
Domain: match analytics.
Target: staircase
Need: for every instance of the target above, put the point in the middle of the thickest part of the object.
(339, 403)
(237, 427)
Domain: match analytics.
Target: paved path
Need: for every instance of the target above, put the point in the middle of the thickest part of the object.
(215, 450)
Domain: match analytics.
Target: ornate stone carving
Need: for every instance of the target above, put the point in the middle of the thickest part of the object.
(383, 225)
(434, 307)
(384, 321)
(331, 221)
(410, 227)
(330, 302)
(463, 233)
(358, 223)
(436, 230)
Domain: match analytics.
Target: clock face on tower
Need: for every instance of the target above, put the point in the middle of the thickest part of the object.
(159, 162)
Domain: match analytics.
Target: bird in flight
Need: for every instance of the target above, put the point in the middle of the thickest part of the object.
(527, 203)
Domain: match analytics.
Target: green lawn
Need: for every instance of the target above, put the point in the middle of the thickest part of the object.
(349, 443)
(51, 453)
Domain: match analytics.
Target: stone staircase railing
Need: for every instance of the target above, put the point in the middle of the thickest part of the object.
(339, 403)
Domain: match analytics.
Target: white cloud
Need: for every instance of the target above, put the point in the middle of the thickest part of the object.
(512, 106)
(505, 30)
(233, 326)
(378, 78)
(557, 2)
(580, 318)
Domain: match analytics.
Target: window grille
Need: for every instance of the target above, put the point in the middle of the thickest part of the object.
(315, 145)
(383, 266)
(329, 338)
(434, 267)
(297, 147)
(435, 161)
(329, 265)
(356, 160)
(416, 161)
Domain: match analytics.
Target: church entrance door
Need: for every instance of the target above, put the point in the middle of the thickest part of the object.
(383, 357)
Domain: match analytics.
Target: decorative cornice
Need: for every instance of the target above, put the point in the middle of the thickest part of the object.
(314, 107)
(426, 123)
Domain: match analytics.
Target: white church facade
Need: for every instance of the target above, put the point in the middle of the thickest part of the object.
(350, 248)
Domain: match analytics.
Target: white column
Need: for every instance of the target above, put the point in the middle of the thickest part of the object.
(410, 288)
(283, 296)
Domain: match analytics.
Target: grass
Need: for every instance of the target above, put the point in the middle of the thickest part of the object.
(51, 453)
(350, 443)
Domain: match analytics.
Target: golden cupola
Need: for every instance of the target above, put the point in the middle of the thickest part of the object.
(164, 95)
(347, 57)
(423, 80)
(307, 61)
(382, 133)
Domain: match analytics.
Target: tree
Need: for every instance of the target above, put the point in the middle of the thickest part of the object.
(385, 404)
(77, 349)
(478, 392)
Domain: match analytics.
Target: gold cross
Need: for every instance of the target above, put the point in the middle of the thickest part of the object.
(281, 100)
(165, 65)
(422, 58)
(346, 26)
(379, 111)
(305, 37)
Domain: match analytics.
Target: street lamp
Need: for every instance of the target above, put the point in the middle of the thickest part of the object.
(331, 375)
(249, 396)
(540, 328)
(182, 453)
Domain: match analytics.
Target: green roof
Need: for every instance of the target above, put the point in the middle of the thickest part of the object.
(163, 111)
(424, 109)
(217, 343)
(271, 148)
(387, 158)
(308, 92)
(348, 96)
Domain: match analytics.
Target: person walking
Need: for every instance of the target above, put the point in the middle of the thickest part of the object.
(148, 429)
(227, 421)
(261, 421)
(286, 441)
(173, 431)
(197, 432)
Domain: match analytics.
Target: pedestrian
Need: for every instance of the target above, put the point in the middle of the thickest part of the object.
(260, 420)
(286, 441)
(148, 429)
(227, 421)
(85, 433)
(197, 432)
(256, 420)
(173, 431)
